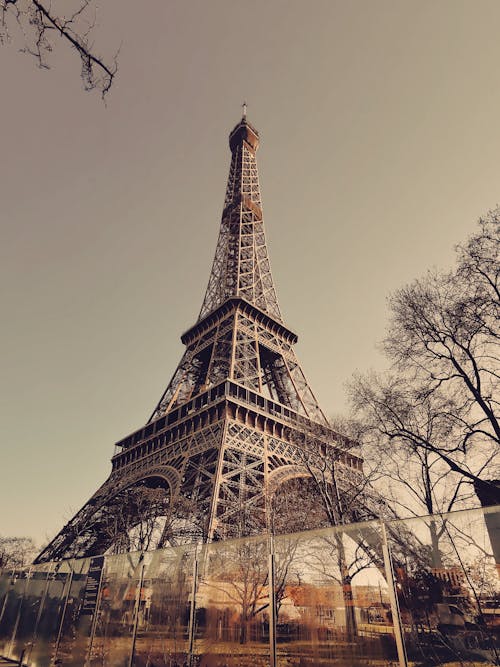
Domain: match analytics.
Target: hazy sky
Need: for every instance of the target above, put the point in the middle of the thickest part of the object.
(380, 144)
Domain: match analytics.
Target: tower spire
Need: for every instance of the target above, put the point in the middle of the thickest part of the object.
(241, 265)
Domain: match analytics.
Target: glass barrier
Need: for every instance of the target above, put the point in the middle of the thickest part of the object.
(447, 581)
(416, 592)
(332, 600)
(231, 619)
(162, 634)
(73, 634)
(12, 586)
(41, 646)
(30, 607)
(116, 610)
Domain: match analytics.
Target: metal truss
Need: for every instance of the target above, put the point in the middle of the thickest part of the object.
(241, 266)
(245, 347)
(233, 423)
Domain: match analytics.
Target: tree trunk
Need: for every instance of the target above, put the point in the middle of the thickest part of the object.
(436, 554)
(350, 616)
(244, 629)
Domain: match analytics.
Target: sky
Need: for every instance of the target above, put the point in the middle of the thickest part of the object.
(379, 152)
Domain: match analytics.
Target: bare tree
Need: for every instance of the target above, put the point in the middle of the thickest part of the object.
(336, 495)
(394, 422)
(442, 399)
(478, 264)
(136, 519)
(239, 574)
(37, 25)
(16, 551)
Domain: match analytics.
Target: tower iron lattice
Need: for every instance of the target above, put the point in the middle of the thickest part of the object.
(233, 423)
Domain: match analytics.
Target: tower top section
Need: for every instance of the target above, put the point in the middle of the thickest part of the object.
(241, 266)
(244, 132)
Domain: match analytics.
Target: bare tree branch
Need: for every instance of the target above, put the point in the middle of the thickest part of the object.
(36, 21)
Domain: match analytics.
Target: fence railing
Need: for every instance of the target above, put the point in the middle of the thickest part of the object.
(422, 591)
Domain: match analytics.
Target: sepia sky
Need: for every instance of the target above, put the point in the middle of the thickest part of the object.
(380, 147)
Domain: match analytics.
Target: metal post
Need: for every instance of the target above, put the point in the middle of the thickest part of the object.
(52, 570)
(136, 611)
(396, 618)
(192, 610)
(69, 581)
(272, 604)
(94, 618)
(16, 624)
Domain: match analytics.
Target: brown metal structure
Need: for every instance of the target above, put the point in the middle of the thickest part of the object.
(232, 425)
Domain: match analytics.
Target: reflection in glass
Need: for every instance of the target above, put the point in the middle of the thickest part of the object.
(48, 621)
(164, 611)
(74, 629)
(332, 599)
(210, 605)
(231, 625)
(448, 588)
(13, 586)
(116, 607)
(30, 605)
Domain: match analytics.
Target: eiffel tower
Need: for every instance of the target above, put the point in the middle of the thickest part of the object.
(230, 428)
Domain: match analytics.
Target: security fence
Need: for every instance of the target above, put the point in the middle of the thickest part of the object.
(420, 592)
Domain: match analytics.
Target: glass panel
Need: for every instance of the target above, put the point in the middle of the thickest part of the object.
(46, 628)
(448, 588)
(232, 604)
(332, 599)
(5, 584)
(30, 609)
(112, 642)
(163, 621)
(13, 586)
(73, 634)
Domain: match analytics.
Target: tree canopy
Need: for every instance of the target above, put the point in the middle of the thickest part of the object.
(16, 551)
(439, 404)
